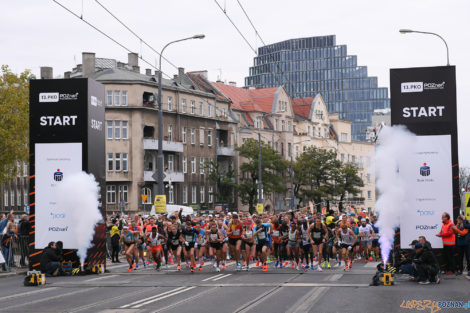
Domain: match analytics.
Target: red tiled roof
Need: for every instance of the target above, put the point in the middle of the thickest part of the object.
(302, 106)
(248, 100)
(204, 85)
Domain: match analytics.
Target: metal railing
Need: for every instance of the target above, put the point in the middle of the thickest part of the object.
(16, 252)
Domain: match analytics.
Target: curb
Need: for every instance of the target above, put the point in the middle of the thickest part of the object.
(10, 274)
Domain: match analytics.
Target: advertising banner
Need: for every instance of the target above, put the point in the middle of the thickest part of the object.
(160, 204)
(467, 205)
(53, 162)
(424, 100)
(428, 177)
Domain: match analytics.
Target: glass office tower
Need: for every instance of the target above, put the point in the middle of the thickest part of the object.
(308, 66)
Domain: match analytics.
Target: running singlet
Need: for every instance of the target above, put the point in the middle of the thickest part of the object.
(236, 231)
(174, 239)
(154, 242)
(366, 230)
(346, 238)
(129, 238)
(262, 235)
(249, 234)
(276, 233)
(190, 234)
(200, 240)
(376, 231)
(214, 237)
(293, 236)
(305, 240)
(317, 233)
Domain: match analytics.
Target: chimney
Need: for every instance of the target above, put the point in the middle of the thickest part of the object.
(89, 63)
(180, 71)
(233, 84)
(175, 77)
(46, 72)
(136, 69)
(201, 73)
(67, 74)
(132, 59)
(148, 72)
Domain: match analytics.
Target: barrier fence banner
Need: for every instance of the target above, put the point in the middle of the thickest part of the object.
(424, 100)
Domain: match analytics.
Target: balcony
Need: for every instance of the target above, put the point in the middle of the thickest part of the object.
(225, 151)
(175, 177)
(173, 146)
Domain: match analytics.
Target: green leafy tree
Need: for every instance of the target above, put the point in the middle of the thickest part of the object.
(224, 180)
(14, 118)
(272, 166)
(347, 181)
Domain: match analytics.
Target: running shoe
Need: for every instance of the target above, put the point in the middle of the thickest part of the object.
(276, 264)
(202, 264)
(306, 267)
(148, 262)
(223, 267)
(136, 267)
(281, 266)
(319, 268)
(328, 264)
(200, 268)
(265, 268)
(302, 264)
(145, 265)
(370, 258)
(424, 282)
(130, 269)
(257, 263)
(298, 267)
(192, 269)
(154, 263)
(179, 268)
(293, 265)
(217, 269)
(247, 268)
(312, 267)
(285, 264)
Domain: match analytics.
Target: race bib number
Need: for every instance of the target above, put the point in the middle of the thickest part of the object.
(236, 232)
(275, 233)
(175, 242)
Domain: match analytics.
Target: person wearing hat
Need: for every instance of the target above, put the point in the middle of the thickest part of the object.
(426, 265)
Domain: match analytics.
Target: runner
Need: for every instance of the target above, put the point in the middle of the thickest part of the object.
(248, 245)
(235, 232)
(261, 234)
(293, 245)
(277, 242)
(223, 230)
(317, 233)
(375, 242)
(174, 243)
(200, 245)
(308, 254)
(367, 234)
(189, 235)
(127, 238)
(346, 240)
(215, 239)
(155, 246)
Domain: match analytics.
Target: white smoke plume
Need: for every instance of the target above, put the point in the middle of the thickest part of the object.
(78, 194)
(394, 144)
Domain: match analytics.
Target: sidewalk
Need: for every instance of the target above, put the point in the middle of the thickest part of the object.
(13, 272)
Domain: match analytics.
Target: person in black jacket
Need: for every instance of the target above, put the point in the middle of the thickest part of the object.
(426, 265)
(24, 228)
(50, 260)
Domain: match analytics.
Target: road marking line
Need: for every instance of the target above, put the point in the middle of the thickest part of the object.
(161, 298)
(27, 293)
(335, 277)
(221, 277)
(371, 264)
(174, 304)
(45, 299)
(212, 277)
(98, 278)
(146, 299)
(307, 301)
(323, 285)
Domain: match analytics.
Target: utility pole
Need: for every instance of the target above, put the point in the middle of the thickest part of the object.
(260, 182)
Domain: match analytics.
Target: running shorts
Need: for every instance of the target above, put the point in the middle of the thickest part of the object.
(155, 249)
(216, 245)
(260, 245)
(233, 241)
(189, 246)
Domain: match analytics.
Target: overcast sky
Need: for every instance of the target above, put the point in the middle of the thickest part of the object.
(36, 33)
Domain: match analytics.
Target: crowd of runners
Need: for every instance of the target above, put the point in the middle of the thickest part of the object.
(288, 240)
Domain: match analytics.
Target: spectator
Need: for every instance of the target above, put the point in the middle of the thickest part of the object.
(462, 245)
(115, 236)
(422, 240)
(24, 228)
(4, 221)
(8, 236)
(448, 240)
(50, 260)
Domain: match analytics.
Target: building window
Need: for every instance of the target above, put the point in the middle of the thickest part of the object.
(25, 169)
(201, 165)
(18, 197)
(223, 112)
(211, 194)
(193, 107)
(289, 151)
(202, 193)
(193, 194)
(111, 194)
(297, 151)
(117, 129)
(353, 160)
(185, 164)
(282, 148)
(289, 126)
(185, 194)
(170, 103)
(276, 146)
(124, 97)
(123, 191)
(209, 138)
(193, 136)
(170, 132)
(124, 129)
(368, 177)
(110, 162)
(344, 137)
(109, 97)
(117, 97)
(258, 122)
(276, 125)
(171, 163)
(184, 134)
(209, 110)
(171, 194)
(193, 165)
(369, 194)
(183, 105)
(201, 109)
(342, 157)
(147, 192)
(109, 128)
(308, 130)
(125, 163)
(12, 198)
(201, 136)
(283, 125)
(117, 162)
(25, 197)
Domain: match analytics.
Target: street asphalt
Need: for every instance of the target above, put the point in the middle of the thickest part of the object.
(286, 290)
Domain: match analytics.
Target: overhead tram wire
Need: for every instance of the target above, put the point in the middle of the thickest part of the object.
(107, 36)
(252, 25)
(130, 30)
(238, 30)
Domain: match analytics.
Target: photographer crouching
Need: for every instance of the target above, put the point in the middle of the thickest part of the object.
(51, 257)
(426, 265)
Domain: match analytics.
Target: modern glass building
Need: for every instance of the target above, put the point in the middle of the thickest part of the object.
(308, 66)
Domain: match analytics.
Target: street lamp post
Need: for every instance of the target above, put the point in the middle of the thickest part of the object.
(260, 182)
(408, 31)
(160, 189)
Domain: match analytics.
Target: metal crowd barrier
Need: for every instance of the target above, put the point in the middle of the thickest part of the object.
(16, 253)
